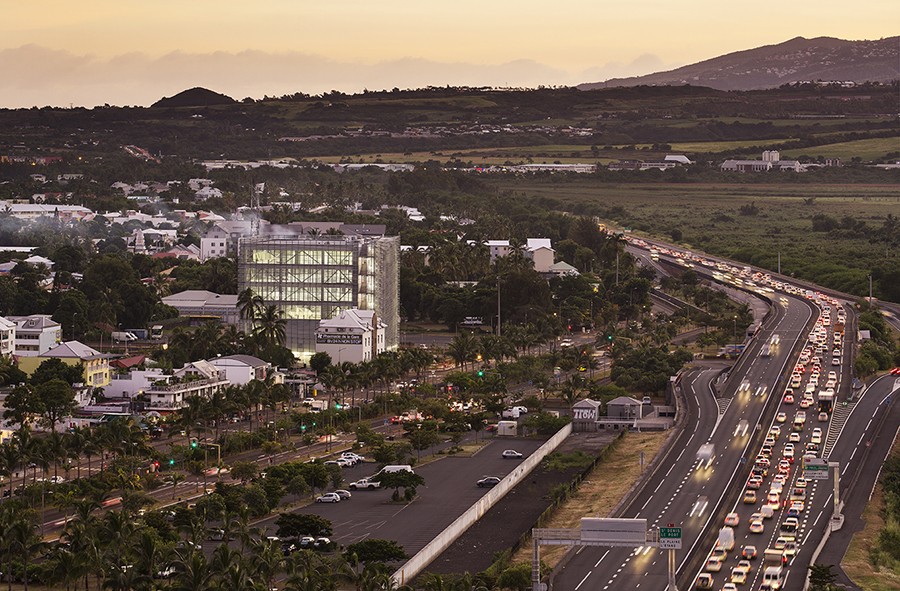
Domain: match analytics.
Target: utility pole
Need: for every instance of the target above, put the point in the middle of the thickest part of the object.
(779, 262)
(498, 304)
(617, 267)
(870, 288)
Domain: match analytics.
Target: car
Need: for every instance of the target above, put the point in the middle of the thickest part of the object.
(762, 460)
(805, 403)
(895, 371)
(816, 435)
(754, 483)
(729, 586)
(704, 581)
(789, 399)
(781, 417)
(329, 497)
(790, 548)
(800, 482)
(744, 565)
(823, 417)
(738, 577)
(322, 543)
(775, 431)
(756, 526)
(790, 525)
(344, 494)
(784, 467)
(713, 565)
(511, 454)
(749, 552)
(793, 511)
(779, 479)
(488, 481)
(776, 487)
(798, 504)
(307, 541)
(215, 534)
(773, 500)
(750, 497)
(835, 360)
(732, 519)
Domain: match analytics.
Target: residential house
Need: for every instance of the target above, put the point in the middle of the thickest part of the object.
(94, 363)
(243, 369)
(7, 337)
(171, 392)
(35, 334)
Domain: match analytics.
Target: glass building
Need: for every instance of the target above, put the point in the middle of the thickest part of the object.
(313, 277)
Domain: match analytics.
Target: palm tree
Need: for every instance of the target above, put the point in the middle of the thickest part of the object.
(270, 327)
(462, 348)
(10, 461)
(192, 573)
(250, 306)
(20, 539)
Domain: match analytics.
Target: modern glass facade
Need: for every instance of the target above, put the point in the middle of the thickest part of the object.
(310, 278)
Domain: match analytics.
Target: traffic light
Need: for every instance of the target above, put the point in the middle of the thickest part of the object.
(303, 428)
(480, 373)
(337, 405)
(609, 338)
(172, 461)
(194, 443)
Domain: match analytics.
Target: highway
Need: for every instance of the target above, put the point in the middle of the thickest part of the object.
(679, 493)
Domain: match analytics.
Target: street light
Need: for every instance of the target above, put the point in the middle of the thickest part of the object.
(339, 354)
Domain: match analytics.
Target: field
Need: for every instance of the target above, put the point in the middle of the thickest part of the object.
(750, 223)
(867, 149)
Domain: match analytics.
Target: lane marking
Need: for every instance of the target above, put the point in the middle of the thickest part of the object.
(583, 580)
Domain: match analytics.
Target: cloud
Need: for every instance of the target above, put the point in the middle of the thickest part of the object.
(38, 76)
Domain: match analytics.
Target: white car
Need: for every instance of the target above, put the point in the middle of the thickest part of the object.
(816, 435)
(511, 454)
(329, 498)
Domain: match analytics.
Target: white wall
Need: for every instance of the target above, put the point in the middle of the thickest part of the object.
(442, 541)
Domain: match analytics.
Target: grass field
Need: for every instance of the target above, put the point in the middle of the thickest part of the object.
(600, 492)
(708, 217)
(868, 149)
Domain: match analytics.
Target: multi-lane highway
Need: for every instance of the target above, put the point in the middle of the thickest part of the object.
(680, 492)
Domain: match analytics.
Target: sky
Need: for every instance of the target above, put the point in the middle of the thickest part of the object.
(95, 52)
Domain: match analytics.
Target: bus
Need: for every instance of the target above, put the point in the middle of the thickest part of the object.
(826, 401)
(156, 331)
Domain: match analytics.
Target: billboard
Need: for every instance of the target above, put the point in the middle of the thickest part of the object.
(614, 531)
(333, 338)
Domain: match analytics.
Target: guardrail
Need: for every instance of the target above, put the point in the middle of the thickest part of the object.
(442, 541)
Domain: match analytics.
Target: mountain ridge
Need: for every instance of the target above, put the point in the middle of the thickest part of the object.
(769, 66)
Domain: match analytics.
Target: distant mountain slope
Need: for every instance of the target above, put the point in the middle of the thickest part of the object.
(770, 66)
(194, 97)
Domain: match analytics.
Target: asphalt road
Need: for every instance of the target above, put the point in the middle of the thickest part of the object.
(449, 490)
(679, 493)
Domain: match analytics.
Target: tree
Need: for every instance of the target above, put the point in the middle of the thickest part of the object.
(20, 404)
(244, 471)
(57, 401)
(421, 439)
(376, 550)
(820, 577)
(408, 481)
(294, 525)
(56, 369)
(319, 361)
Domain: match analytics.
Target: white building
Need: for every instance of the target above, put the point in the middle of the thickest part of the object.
(539, 250)
(205, 304)
(243, 369)
(354, 335)
(7, 337)
(169, 393)
(35, 334)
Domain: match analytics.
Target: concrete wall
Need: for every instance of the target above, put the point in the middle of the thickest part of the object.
(442, 541)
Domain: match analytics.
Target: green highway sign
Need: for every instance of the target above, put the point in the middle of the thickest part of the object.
(670, 532)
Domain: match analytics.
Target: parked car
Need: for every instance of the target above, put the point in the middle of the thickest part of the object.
(329, 497)
(511, 453)
(488, 481)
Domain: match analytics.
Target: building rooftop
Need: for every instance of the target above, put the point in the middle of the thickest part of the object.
(199, 298)
(73, 350)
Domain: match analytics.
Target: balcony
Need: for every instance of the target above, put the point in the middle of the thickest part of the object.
(184, 386)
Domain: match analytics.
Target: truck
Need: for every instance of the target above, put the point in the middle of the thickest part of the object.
(706, 454)
(123, 337)
(365, 484)
(726, 539)
(839, 328)
(773, 557)
(773, 578)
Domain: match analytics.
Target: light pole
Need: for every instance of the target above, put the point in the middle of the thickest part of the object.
(734, 320)
(74, 330)
(339, 354)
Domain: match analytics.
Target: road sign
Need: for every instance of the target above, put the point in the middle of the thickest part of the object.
(815, 469)
(670, 532)
(670, 543)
